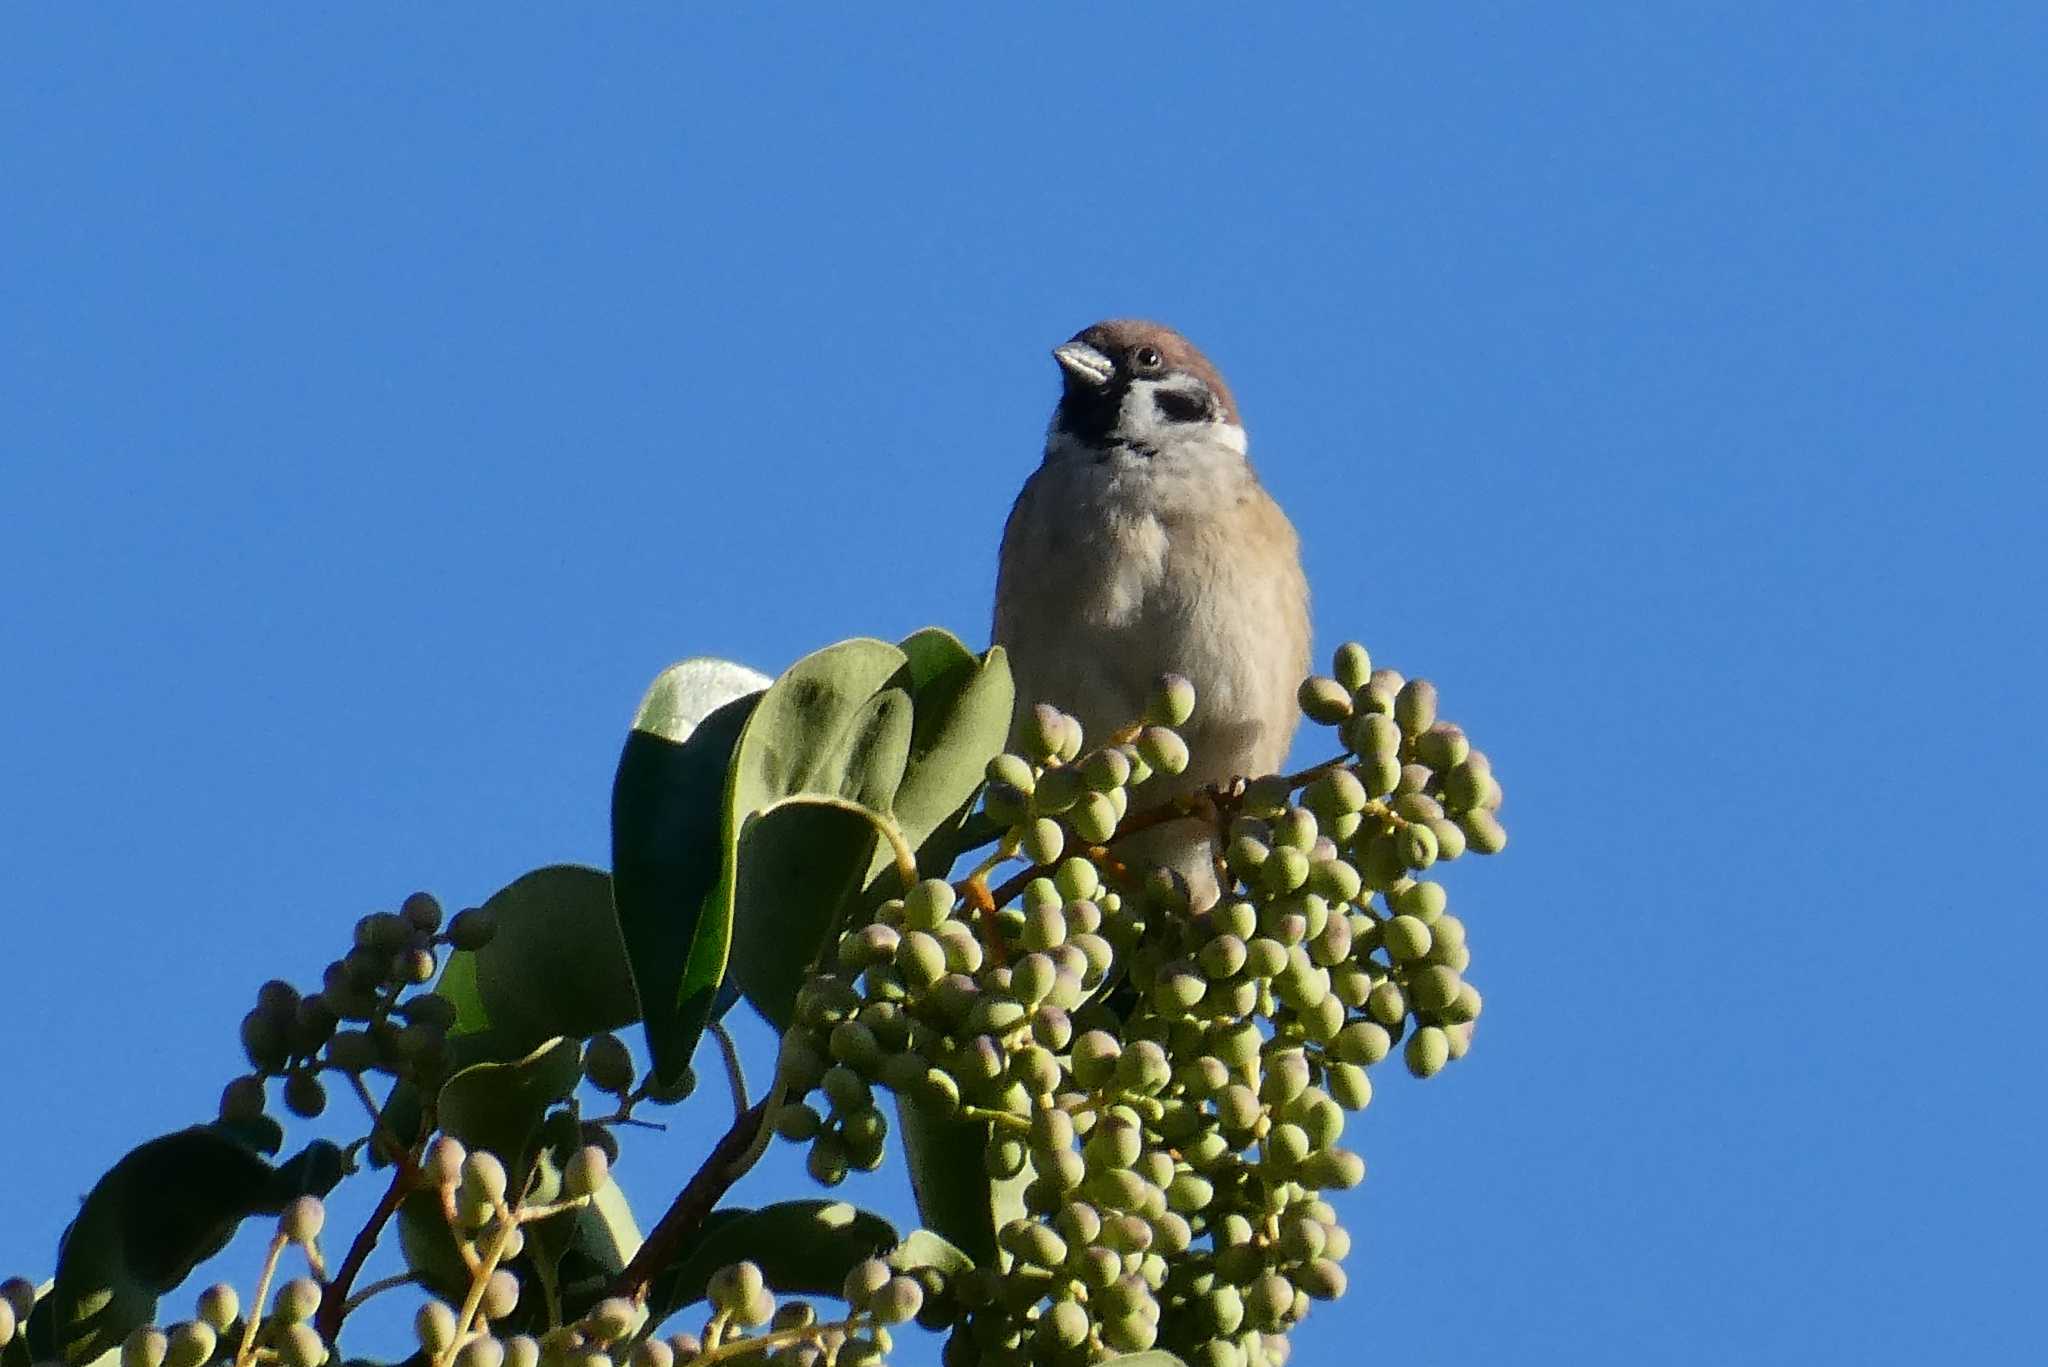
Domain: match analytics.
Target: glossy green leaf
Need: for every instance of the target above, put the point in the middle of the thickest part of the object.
(802, 1248)
(668, 854)
(499, 1106)
(799, 865)
(428, 1246)
(832, 730)
(586, 1248)
(949, 1178)
(555, 967)
(922, 1248)
(164, 1208)
(962, 706)
(797, 740)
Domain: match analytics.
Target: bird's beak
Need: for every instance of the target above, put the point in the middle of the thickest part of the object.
(1083, 363)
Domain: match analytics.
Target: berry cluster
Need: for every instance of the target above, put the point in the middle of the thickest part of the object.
(357, 1023)
(1167, 1082)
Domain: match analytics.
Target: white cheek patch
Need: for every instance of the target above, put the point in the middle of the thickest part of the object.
(1140, 422)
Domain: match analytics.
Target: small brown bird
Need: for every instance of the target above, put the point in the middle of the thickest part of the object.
(1144, 545)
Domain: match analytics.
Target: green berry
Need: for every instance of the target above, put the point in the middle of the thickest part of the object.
(1423, 900)
(297, 1300)
(472, 929)
(1323, 1279)
(1095, 1055)
(1172, 701)
(146, 1346)
(1283, 870)
(1373, 736)
(1333, 1170)
(1483, 831)
(219, 1305)
(1094, 818)
(1334, 792)
(1077, 880)
(1013, 771)
(1406, 938)
(1415, 706)
(1105, 769)
(1350, 1085)
(928, 904)
(501, 1295)
(434, 1326)
(896, 1301)
(1362, 1043)
(1418, 846)
(1324, 701)
(301, 1221)
(608, 1064)
(1427, 1051)
(586, 1173)
(1352, 666)
(1043, 840)
(1434, 988)
(921, 959)
(191, 1343)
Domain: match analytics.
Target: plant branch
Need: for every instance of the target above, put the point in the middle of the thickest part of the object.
(727, 1163)
(334, 1301)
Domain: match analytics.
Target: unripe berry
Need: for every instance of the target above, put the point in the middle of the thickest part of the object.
(297, 1300)
(472, 929)
(147, 1346)
(191, 1343)
(608, 1064)
(1324, 701)
(218, 1305)
(434, 1326)
(1352, 666)
(1171, 702)
(1406, 938)
(1427, 1051)
(301, 1221)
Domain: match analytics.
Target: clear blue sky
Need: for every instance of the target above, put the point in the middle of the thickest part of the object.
(385, 397)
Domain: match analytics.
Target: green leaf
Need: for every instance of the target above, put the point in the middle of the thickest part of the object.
(429, 1247)
(499, 1106)
(949, 1178)
(164, 1208)
(922, 1248)
(586, 1248)
(668, 848)
(796, 741)
(801, 1247)
(835, 729)
(962, 709)
(689, 692)
(555, 967)
(798, 866)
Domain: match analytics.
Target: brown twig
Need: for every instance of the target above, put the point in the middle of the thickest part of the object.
(334, 1297)
(695, 1201)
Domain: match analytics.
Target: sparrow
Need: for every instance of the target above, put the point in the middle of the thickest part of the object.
(1144, 545)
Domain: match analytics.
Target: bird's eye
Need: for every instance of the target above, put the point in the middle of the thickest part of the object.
(1146, 359)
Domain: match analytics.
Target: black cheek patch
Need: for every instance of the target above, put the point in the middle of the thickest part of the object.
(1089, 415)
(1178, 405)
